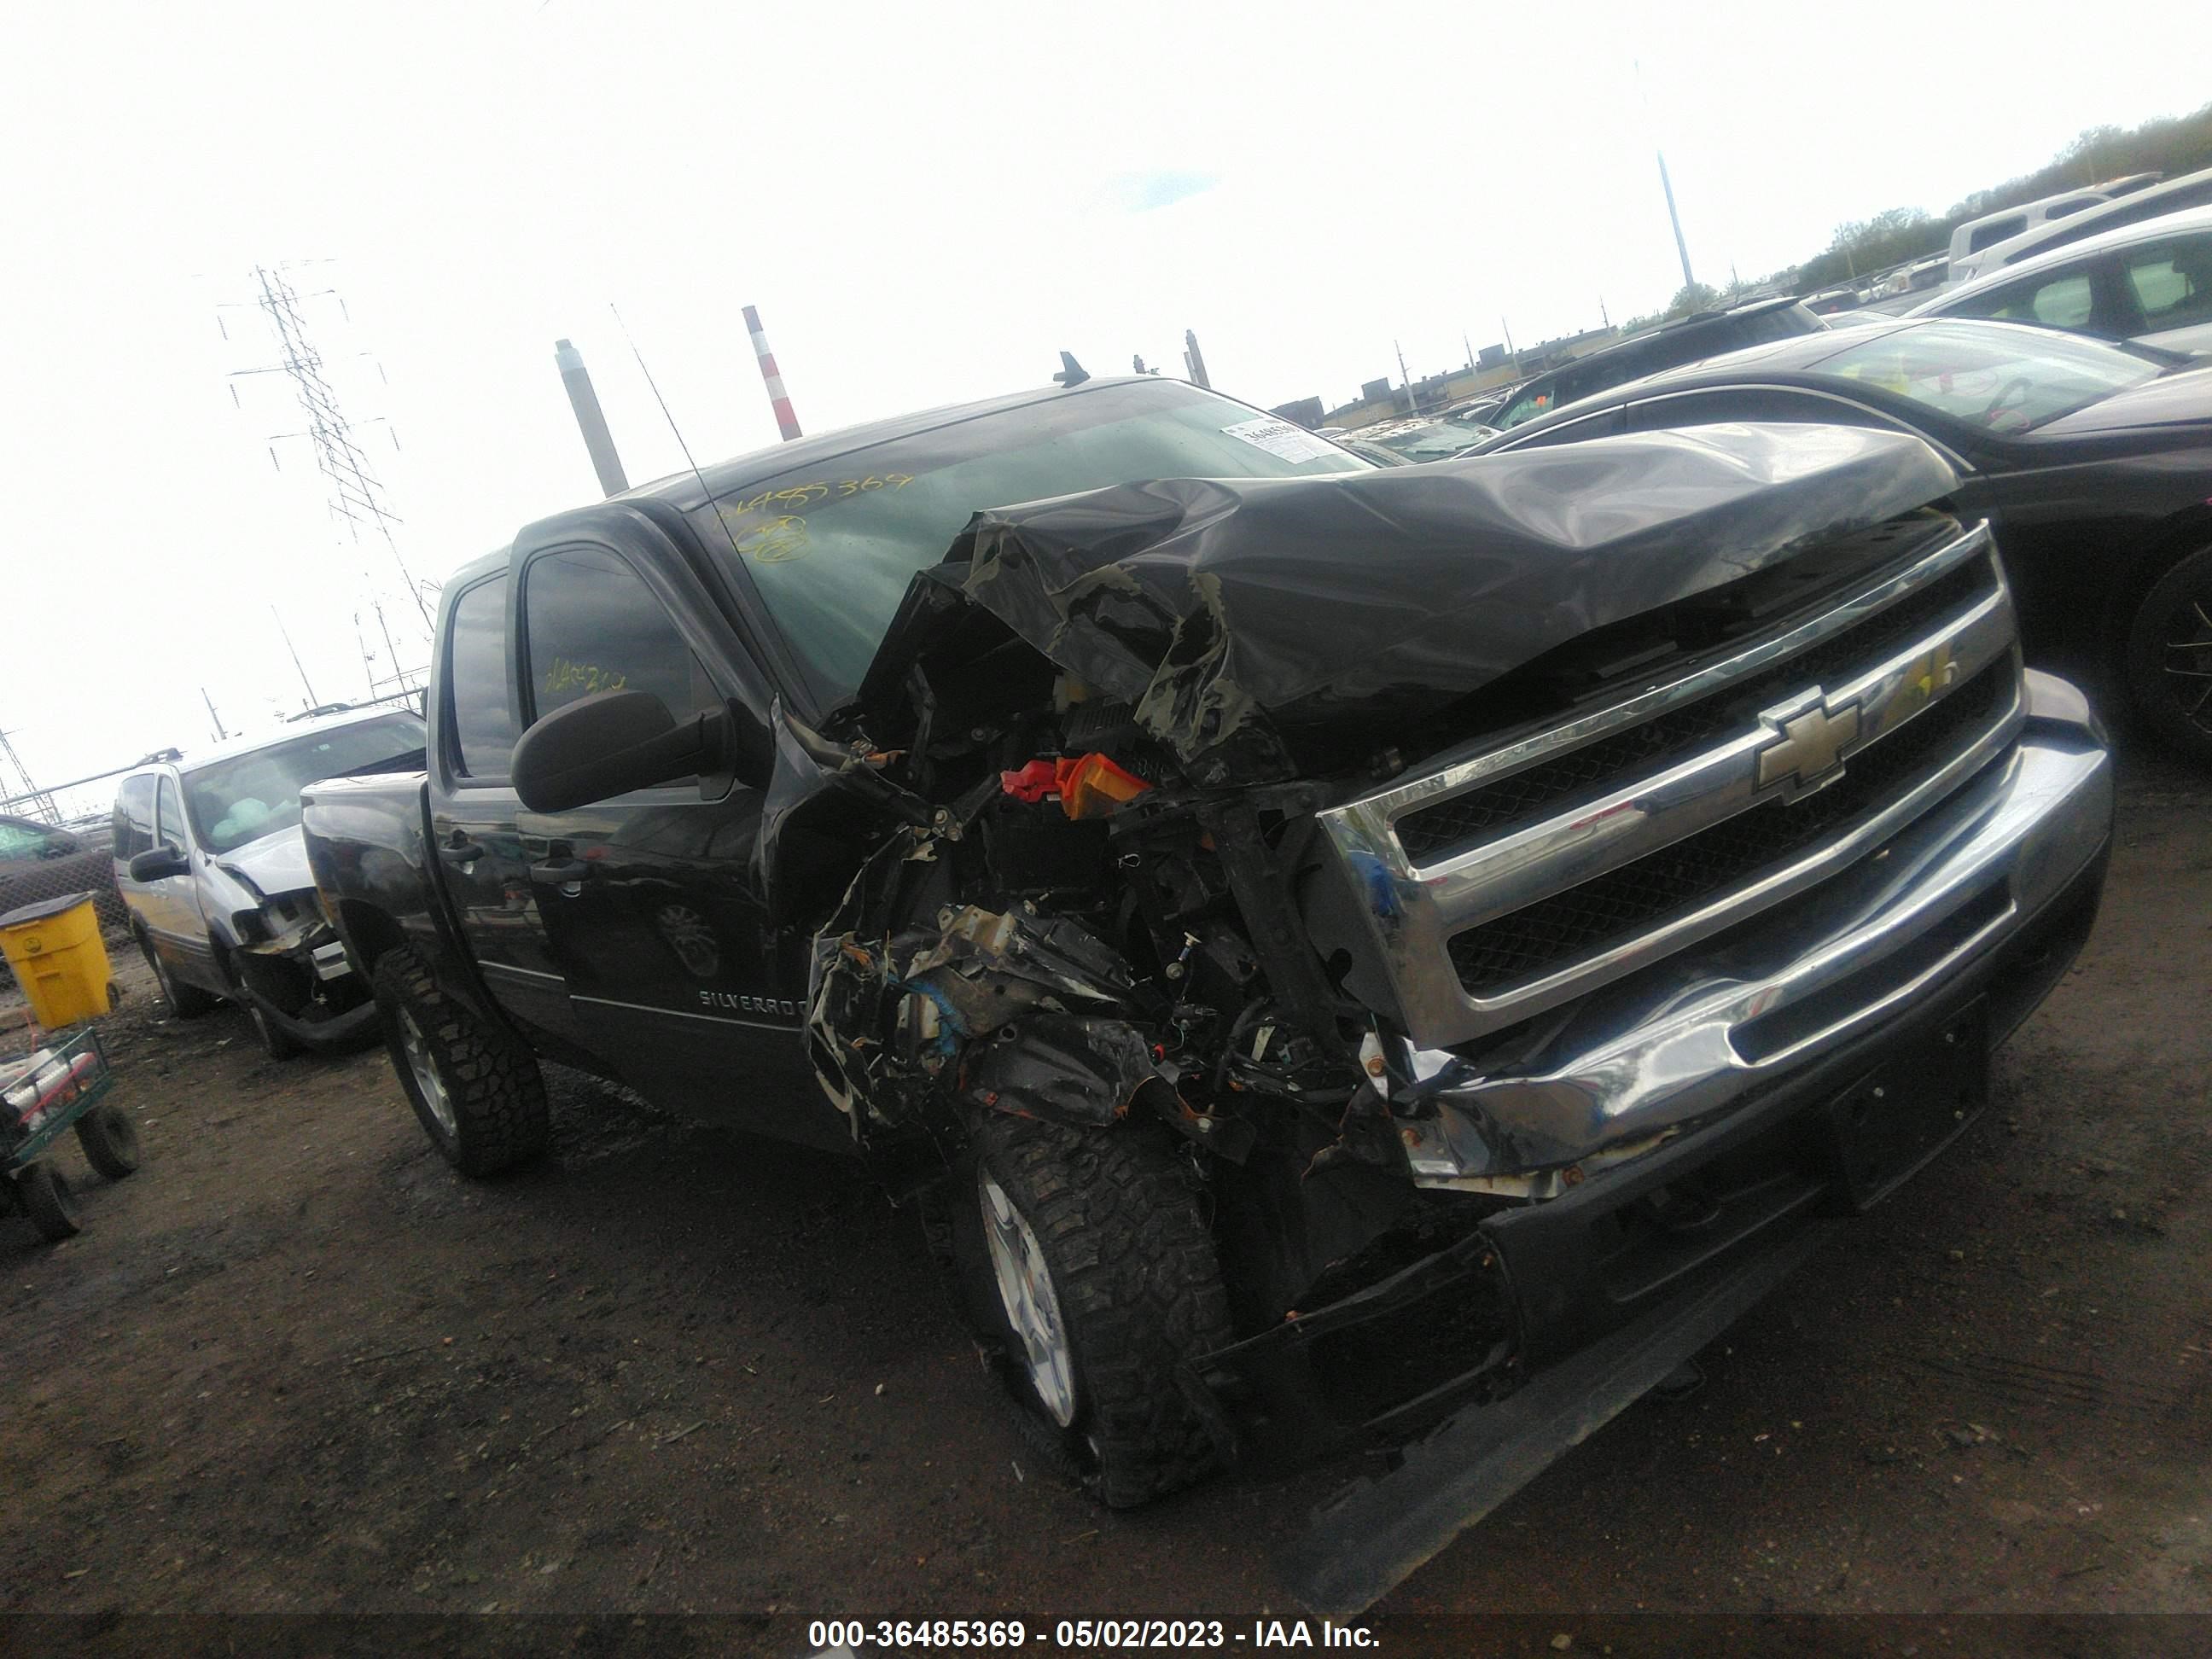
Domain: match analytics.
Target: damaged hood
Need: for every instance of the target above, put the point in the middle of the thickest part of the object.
(1229, 610)
(274, 864)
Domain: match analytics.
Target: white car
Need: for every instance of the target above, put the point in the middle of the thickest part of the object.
(2006, 223)
(2153, 202)
(2148, 282)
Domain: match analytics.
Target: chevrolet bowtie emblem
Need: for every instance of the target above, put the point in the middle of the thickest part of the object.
(1808, 749)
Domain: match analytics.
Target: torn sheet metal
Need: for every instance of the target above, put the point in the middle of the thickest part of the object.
(1022, 1011)
(1231, 611)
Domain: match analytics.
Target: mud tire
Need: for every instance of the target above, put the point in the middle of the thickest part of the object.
(185, 1001)
(110, 1140)
(492, 1089)
(44, 1193)
(1117, 1216)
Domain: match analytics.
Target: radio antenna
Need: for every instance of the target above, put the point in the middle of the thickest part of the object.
(729, 534)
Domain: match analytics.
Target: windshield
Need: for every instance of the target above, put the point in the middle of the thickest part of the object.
(832, 546)
(249, 796)
(1998, 379)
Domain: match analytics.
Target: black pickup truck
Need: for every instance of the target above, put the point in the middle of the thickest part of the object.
(1341, 959)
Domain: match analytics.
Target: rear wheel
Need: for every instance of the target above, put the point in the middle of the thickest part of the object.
(44, 1193)
(185, 1001)
(477, 1092)
(1088, 1259)
(110, 1140)
(2168, 658)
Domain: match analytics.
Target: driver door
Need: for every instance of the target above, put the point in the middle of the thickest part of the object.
(653, 900)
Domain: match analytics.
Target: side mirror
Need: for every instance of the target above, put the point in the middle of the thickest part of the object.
(613, 742)
(158, 864)
(59, 846)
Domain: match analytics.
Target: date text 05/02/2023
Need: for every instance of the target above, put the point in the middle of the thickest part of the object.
(850, 1636)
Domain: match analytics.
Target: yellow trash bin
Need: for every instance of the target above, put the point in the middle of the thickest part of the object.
(55, 948)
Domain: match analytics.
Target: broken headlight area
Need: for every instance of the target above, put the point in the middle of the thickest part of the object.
(290, 960)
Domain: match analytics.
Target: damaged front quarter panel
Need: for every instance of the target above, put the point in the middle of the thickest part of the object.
(1010, 1009)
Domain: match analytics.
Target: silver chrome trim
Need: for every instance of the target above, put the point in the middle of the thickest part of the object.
(1412, 909)
(686, 1013)
(1670, 1054)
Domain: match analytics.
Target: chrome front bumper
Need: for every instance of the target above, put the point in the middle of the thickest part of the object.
(1685, 1041)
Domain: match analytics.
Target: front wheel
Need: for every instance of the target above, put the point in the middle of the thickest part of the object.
(1089, 1260)
(476, 1090)
(276, 1042)
(2168, 658)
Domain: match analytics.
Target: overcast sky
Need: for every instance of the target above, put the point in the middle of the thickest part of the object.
(925, 202)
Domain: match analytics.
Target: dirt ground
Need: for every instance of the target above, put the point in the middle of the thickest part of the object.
(295, 1365)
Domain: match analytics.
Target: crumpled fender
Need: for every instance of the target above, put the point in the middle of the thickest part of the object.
(1011, 1009)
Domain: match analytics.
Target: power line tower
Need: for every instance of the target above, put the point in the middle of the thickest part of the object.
(20, 788)
(356, 494)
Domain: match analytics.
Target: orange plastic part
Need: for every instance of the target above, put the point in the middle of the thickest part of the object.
(1089, 785)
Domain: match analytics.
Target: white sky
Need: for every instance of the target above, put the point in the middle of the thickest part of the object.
(925, 202)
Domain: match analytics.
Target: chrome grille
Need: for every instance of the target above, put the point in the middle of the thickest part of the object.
(1497, 885)
(1698, 868)
(1428, 830)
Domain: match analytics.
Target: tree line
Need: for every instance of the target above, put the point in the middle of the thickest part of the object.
(2172, 145)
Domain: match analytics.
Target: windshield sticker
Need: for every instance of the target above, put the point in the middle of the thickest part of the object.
(1291, 443)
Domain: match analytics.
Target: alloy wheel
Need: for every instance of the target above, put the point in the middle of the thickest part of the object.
(1032, 1306)
(2187, 661)
(425, 1071)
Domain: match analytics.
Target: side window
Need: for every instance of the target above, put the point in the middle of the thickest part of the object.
(476, 680)
(1990, 234)
(2058, 301)
(169, 827)
(1532, 401)
(593, 625)
(1599, 423)
(134, 817)
(2171, 283)
(19, 841)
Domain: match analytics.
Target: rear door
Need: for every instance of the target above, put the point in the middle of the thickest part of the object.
(2167, 287)
(476, 831)
(653, 900)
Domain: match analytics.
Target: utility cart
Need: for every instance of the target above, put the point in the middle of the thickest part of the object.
(55, 950)
(59, 1087)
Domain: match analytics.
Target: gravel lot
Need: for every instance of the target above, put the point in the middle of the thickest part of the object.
(295, 1365)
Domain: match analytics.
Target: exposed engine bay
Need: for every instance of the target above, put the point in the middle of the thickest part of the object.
(1108, 724)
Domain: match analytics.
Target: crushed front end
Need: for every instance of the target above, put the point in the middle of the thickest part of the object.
(286, 959)
(1536, 889)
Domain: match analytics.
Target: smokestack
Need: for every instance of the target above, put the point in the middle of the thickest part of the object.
(1192, 362)
(589, 421)
(779, 399)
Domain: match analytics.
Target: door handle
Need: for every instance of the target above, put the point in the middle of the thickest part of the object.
(559, 872)
(461, 851)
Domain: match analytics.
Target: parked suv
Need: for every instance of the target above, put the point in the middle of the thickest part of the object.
(208, 854)
(1703, 334)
